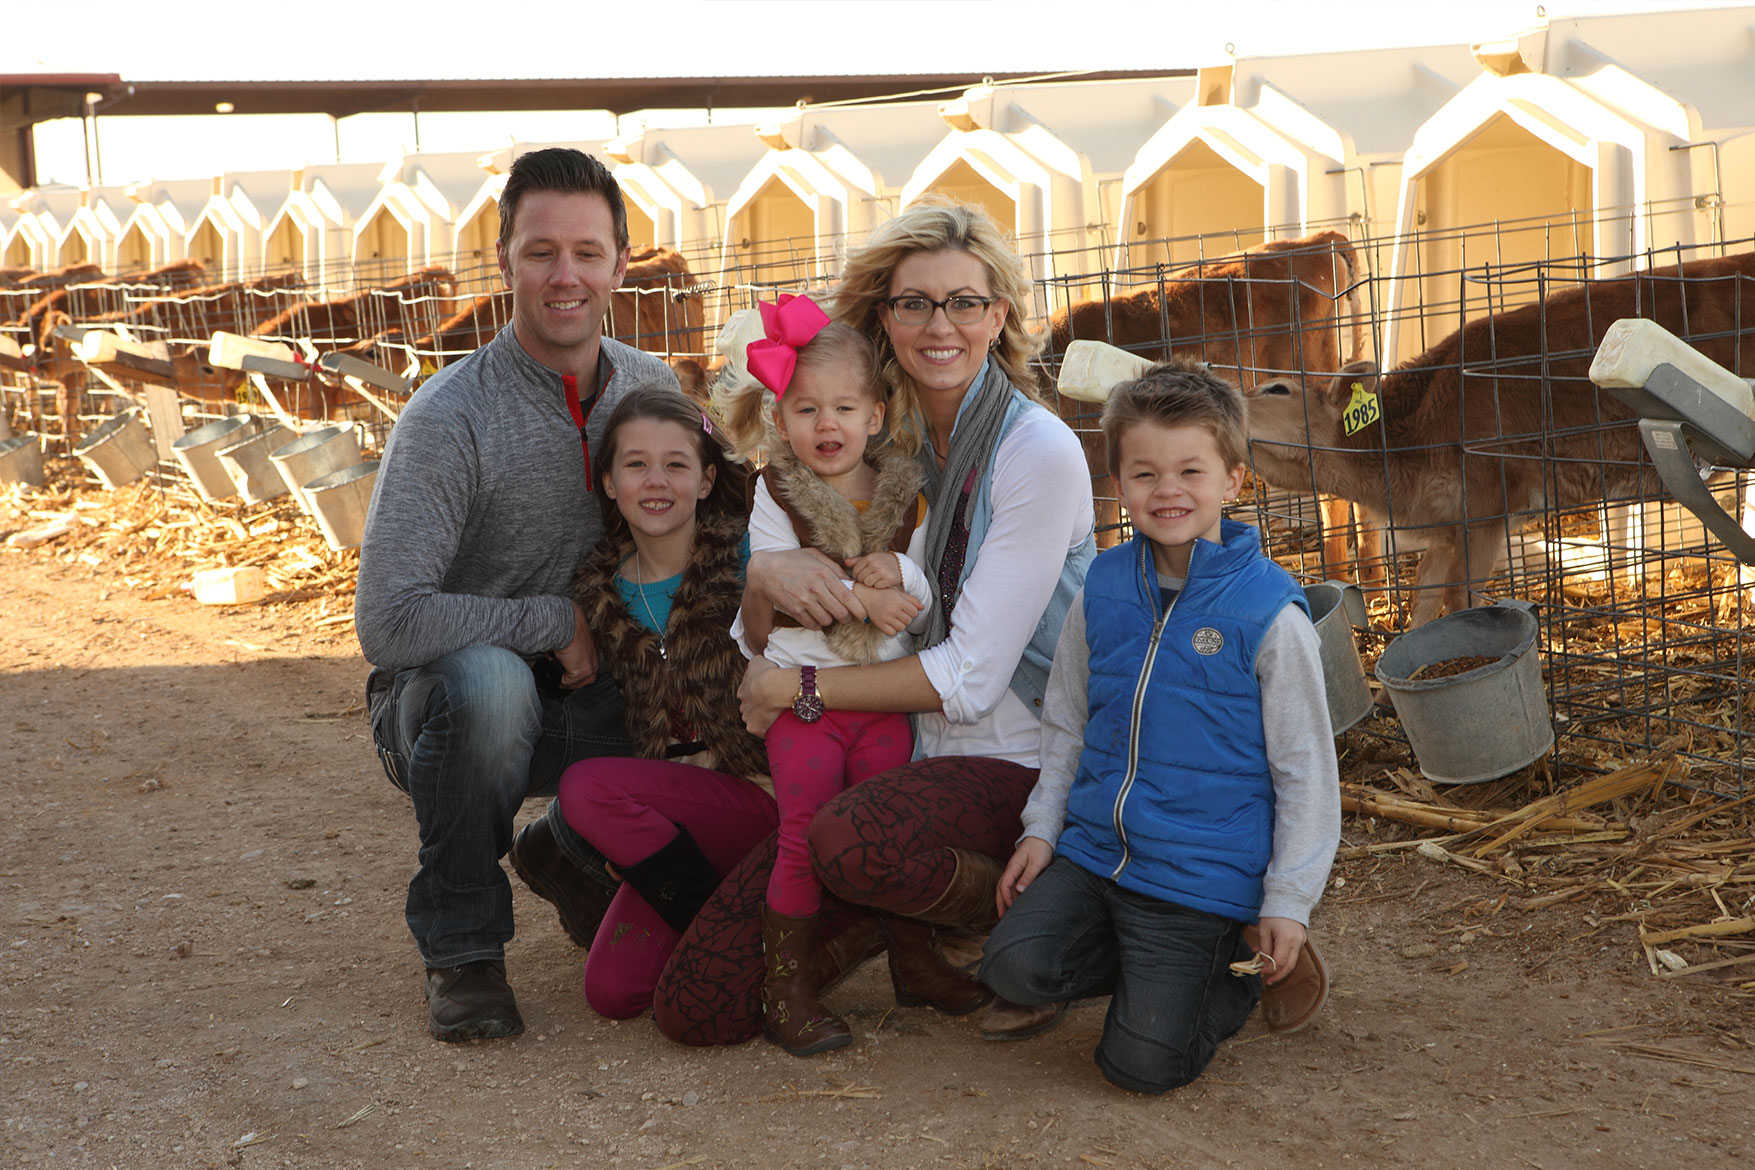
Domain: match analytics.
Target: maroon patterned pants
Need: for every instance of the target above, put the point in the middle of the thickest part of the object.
(881, 844)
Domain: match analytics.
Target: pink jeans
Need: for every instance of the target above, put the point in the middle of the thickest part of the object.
(629, 809)
(810, 763)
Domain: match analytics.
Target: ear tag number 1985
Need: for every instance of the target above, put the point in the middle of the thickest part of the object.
(1362, 410)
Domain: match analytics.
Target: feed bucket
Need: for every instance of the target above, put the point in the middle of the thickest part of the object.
(315, 455)
(248, 465)
(21, 460)
(1335, 608)
(120, 451)
(1480, 723)
(198, 452)
(339, 501)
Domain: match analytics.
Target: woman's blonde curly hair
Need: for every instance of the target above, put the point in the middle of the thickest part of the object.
(936, 226)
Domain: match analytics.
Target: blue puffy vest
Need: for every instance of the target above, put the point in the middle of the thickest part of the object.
(1173, 796)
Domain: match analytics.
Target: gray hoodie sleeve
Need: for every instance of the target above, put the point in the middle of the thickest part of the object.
(1301, 759)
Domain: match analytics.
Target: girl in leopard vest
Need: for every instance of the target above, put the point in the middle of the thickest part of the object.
(813, 409)
(659, 595)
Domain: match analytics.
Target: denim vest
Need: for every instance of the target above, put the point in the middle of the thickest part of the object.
(1030, 678)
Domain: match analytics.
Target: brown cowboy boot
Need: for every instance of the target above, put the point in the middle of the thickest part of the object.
(920, 977)
(844, 954)
(791, 1015)
(969, 898)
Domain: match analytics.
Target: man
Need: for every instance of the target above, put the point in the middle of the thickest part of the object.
(485, 683)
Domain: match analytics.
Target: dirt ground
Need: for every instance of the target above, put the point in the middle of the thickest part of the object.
(203, 962)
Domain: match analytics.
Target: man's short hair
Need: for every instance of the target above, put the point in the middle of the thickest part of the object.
(1176, 393)
(563, 169)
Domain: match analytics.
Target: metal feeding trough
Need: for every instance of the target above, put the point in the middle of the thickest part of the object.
(1475, 724)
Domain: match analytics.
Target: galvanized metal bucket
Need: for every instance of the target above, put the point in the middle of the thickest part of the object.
(21, 460)
(248, 465)
(339, 502)
(314, 455)
(1482, 723)
(120, 451)
(1335, 608)
(198, 451)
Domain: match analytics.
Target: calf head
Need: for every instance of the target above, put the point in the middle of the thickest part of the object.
(1309, 411)
(1290, 416)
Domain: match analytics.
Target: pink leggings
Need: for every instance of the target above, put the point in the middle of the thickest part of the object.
(812, 762)
(629, 809)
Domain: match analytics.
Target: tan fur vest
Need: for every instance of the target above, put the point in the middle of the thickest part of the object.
(824, 520)
(690, 691)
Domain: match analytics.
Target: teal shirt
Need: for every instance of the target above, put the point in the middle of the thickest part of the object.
(650, 603)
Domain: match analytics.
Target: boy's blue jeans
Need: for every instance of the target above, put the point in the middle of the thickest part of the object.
(468, 737)
(1073, 934)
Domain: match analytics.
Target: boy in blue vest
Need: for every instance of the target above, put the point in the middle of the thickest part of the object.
(1189, 803)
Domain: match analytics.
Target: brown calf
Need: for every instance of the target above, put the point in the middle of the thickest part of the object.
(1264, 313)
(657, 308)
(1497, 419)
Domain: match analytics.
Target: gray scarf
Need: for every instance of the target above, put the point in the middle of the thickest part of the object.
(971, 450)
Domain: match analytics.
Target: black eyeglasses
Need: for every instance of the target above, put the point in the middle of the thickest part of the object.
(959, 310)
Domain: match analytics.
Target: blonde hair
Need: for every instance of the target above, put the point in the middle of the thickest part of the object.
(1180, 392)
(936, 225)
(746, 408)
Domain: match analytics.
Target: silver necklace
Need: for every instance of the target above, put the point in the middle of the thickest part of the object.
(640, 588)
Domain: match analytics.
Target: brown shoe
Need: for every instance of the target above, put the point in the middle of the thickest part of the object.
(969, 899)
(471, 1002)
(1293, 1002)
(1006, 1020)
(792, 1017)
(580, 898)
(920, 977)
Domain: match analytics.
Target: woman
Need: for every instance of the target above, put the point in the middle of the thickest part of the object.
(1009, 539)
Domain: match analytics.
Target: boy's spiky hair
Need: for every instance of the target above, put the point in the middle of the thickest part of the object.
(1179, 392)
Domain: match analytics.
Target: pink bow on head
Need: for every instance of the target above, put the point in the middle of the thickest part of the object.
(789, 325)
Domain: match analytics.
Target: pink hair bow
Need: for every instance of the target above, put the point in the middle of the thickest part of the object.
(789, 325)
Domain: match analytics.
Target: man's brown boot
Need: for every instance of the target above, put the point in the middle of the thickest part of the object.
(471, 1002)
(791, 1015)
(920, 977)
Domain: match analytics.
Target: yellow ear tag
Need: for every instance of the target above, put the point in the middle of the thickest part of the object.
(1362, 410)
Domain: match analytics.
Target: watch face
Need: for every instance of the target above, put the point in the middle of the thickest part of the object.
(808, 708)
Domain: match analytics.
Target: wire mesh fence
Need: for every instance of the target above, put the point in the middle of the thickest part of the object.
(1496, 468)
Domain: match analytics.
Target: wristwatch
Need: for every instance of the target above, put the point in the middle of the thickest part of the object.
(808, 705)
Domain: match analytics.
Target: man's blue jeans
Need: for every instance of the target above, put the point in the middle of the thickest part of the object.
(468, 737)
(1073, 934)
